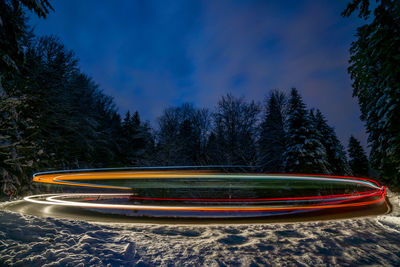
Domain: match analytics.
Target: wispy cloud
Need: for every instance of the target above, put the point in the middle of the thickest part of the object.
(152, 54)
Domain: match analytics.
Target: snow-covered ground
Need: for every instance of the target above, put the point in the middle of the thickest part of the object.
(36, 241)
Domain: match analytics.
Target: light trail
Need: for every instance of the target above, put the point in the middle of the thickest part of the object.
(342, 196)
(117, 179)
(53, 200)
(64, 179)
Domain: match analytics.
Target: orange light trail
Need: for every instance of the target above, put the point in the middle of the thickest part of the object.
(375, 195)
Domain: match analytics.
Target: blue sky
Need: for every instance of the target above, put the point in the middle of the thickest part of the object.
(150, 55)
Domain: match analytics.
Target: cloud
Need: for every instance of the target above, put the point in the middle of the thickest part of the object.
(307, 48)
(152, 54)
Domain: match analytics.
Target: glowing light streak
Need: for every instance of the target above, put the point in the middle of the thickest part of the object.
(52, 199)
(65, 179)
(294, 204)
(353, 195)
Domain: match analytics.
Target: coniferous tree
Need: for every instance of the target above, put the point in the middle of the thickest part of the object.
(374, 62)
(129, 132)
(17, 147)
(137, 140)
(272, 141)
(61, 100)
(10, 140)
(358, 160)
(52, 116)
(108, 147)
(304, 153)
(336, 155)
(13, 30)
(148, 156)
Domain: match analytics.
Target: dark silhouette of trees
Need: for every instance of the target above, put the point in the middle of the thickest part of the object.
(374, 69)
(136, 142)
(234, 132)
(53, 116)
(358, 160)
(14, 31)
(17, 148)
(335, 153)
(272, 141)
(182, 135)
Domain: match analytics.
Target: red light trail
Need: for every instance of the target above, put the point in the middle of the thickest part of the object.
(365, 192)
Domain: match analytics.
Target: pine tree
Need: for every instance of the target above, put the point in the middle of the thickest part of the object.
(62, 103)
(358, 160)
(17, 148)
(272, 141)
(336, 155)
(136, 140)
(375, 72)
(304, 153)
(52, 116)
(13, 30)
(127, 132)
(10, 168)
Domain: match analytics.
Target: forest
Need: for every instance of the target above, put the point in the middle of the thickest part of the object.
(54, 116)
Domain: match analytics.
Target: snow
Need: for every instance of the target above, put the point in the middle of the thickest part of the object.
(36, 241)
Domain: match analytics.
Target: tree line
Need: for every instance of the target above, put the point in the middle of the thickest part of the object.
(54, 116)
(280, 136)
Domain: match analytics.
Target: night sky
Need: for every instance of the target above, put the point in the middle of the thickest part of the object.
(150, 55)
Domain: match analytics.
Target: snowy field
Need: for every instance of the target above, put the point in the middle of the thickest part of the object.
(35, 241)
